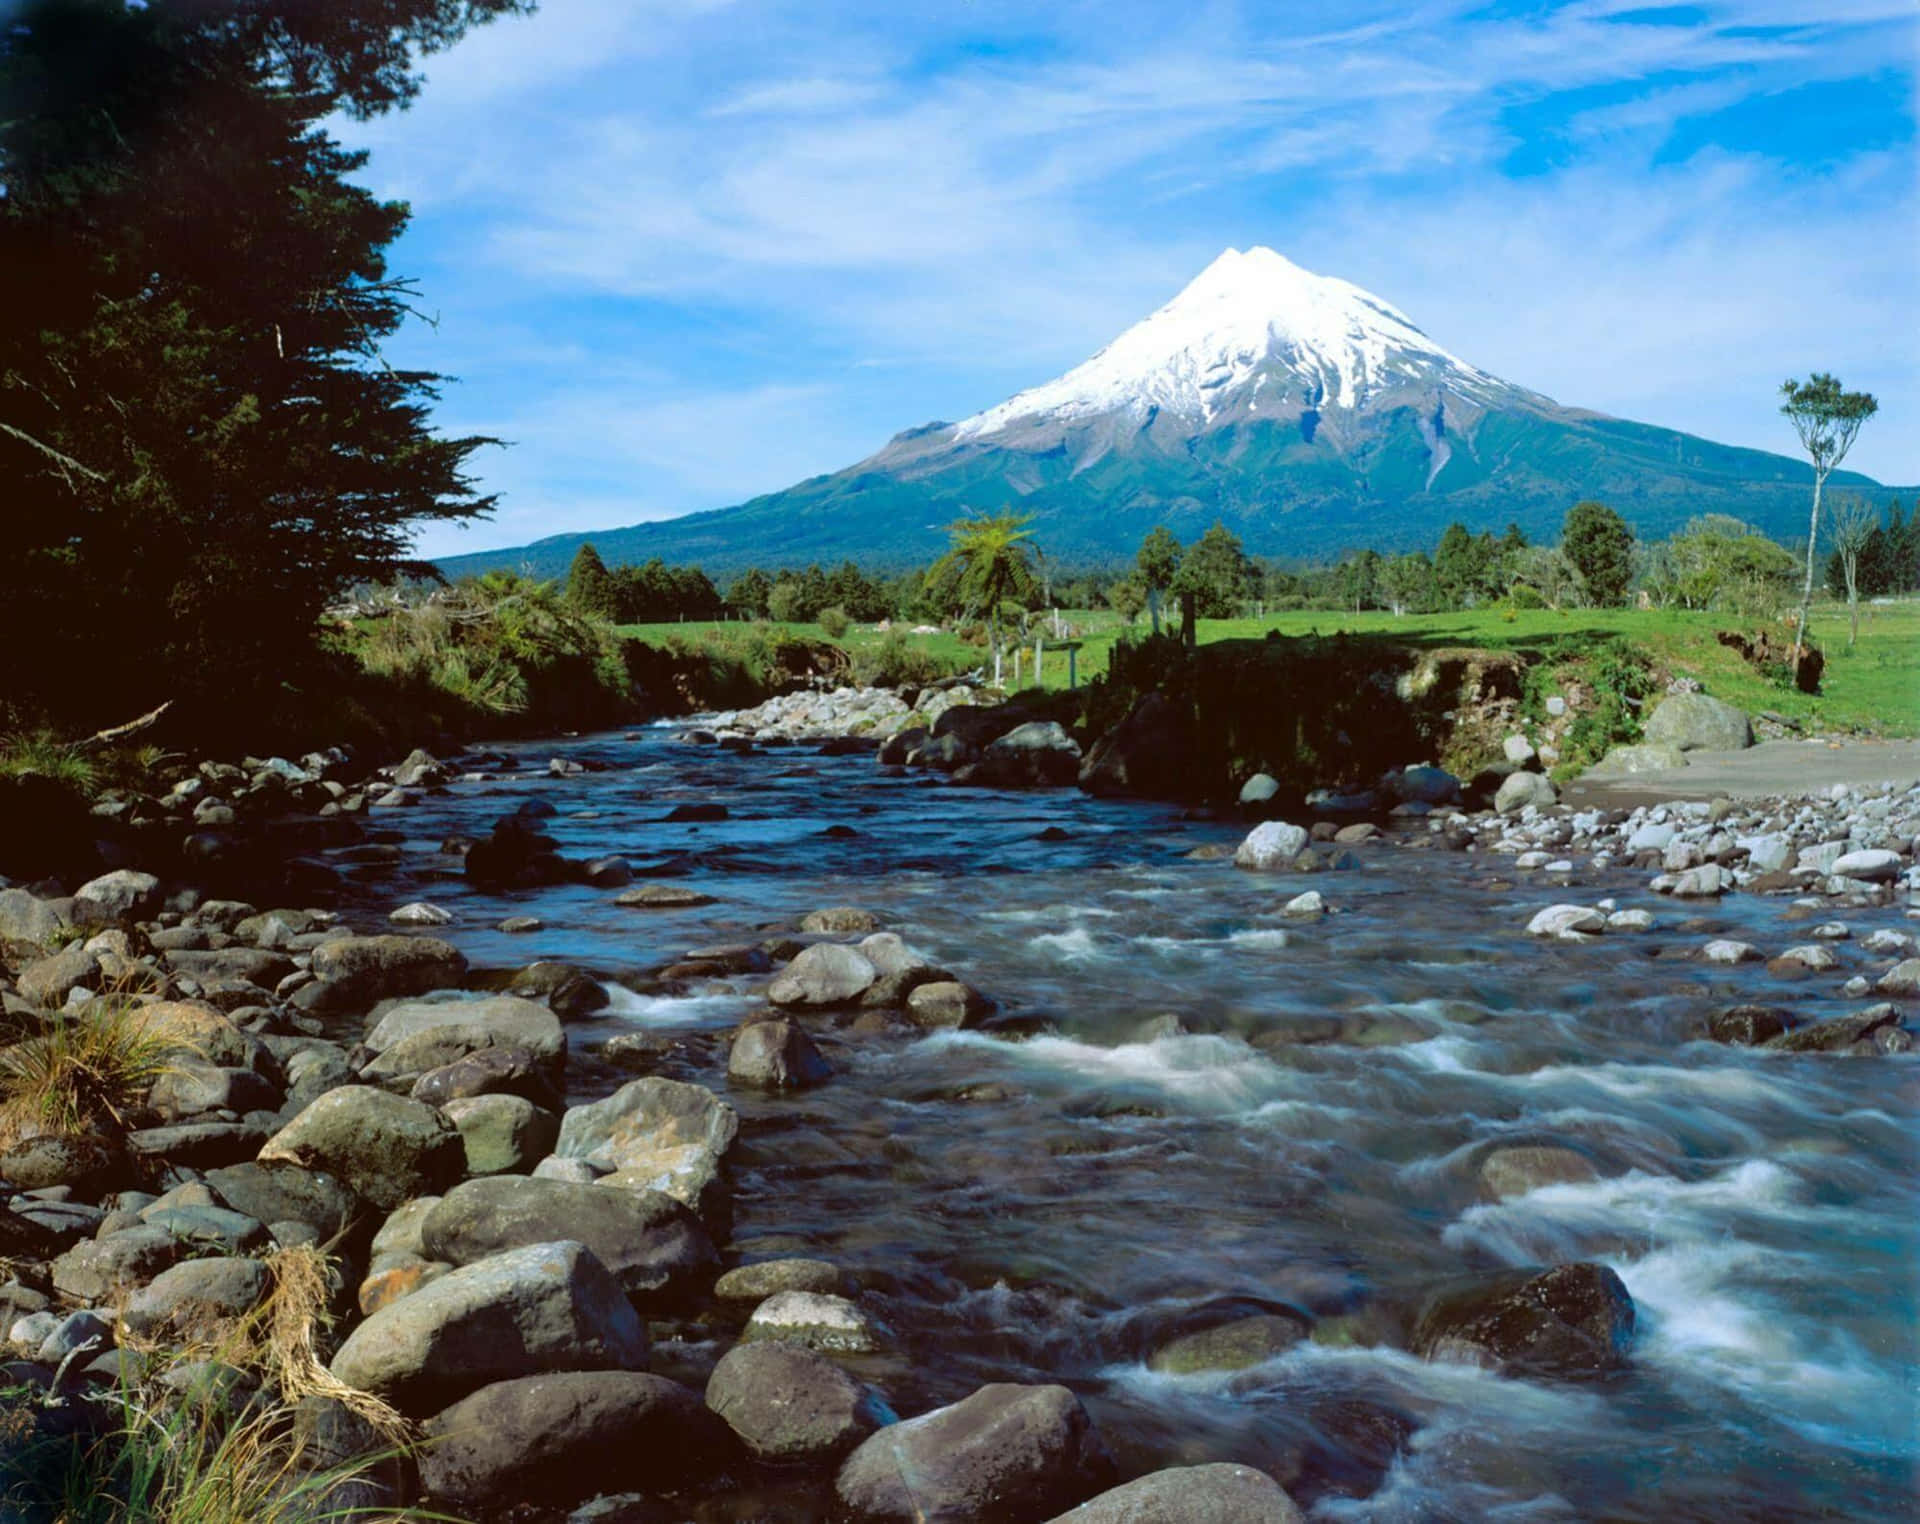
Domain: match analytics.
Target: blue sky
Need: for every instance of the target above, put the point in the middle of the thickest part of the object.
(685, 251)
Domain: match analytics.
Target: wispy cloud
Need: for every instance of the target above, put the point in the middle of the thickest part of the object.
(762, 199)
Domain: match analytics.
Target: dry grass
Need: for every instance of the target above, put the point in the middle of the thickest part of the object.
(211, 1455)
(87, 1072)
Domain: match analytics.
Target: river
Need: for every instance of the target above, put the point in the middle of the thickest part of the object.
(1044, 1201)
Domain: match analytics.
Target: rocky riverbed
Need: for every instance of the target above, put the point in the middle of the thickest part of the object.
(744, 1131)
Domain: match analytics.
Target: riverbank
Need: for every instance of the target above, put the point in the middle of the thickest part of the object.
(1179, 1059)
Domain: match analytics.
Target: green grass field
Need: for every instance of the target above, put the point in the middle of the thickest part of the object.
(1875, 687)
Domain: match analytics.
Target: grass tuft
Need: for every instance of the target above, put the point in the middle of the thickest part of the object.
(87, 1072)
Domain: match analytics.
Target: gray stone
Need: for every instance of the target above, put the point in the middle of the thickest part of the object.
(199, 1300)
(657, 1133)
(1695, 722)
(207, 1225)
(1270, 846)
(825, 974)
(283, 1193)
(386, 1148)
(106, 1269)
(1222, 1493)
(358, 971)
(1259, 789)
(502, 1134)
(1874, 865)
(840, 920)
(556, 1439)
(192, 1086)
(125, 894)
(1568, 1320)
(1641, 758)
(1007, 1454)
(420, 1035)
(653, 1245)
(789, 1405)
(1232, 1346)
(1515, 1170)
(403, 1231)
(1518, 790)
(1567, 923)
(47, 981)
(776, 1055)
(24, 917)
(816, 1320)
(757, 1282)
(545, 1307)
(1902, 979)
(946, 1003)
(85, 1329)
(420, 913)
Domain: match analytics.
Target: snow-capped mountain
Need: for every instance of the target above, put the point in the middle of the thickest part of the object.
(1306, 414)
(1250, 325)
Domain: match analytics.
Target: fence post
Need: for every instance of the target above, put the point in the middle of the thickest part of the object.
(1039, 651)
(1073, 668)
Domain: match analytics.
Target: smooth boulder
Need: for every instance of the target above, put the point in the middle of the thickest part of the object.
(1270, 846)
(826, 974)
(1218, 1494)
(789, 1405)
(655, 1247)
(358, 971)
(1695, 722)
(386, 1148)
(1005, 1455)
(1570, 1320)
(545, 1307)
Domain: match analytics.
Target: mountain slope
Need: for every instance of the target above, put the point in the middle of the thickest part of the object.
(1306, 414)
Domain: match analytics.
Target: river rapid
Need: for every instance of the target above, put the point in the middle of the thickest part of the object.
(1045, 1199)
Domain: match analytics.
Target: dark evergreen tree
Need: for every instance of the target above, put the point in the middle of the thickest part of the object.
(199, 443)
(590, 586)
(1157, 560)
(748, 594)
(1217, 572)
(1599, 543)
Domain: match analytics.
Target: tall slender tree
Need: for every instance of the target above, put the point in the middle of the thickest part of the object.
(1828, 419)
(989, 562)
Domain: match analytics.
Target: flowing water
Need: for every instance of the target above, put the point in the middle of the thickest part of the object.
(1044, 1201)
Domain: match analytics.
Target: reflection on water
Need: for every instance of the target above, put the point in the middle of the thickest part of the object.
(1307, 1128)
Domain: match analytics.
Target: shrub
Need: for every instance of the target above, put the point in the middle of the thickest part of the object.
(834, 621)
(86, 1072)
(899, 662)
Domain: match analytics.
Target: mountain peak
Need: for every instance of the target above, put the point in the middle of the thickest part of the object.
(1252, 321)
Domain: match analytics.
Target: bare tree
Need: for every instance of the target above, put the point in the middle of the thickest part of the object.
(1827, 419)
(1853, 525)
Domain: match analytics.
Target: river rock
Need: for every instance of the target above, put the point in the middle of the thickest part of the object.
(190, 1087)
(1872, 1031)
(659, 1134)
(1725, 950)
(945, 1004)
(1695, 722)
(1641, 758)
(420, 913)
(815, 1320)
(1258, 790)
(1874, 865)
(490, 1071)
(386, 1148)
(502, 1134)
(757, 1282)
(1232, 1346)
(653, 1245)
(199, 1300)
(86, 1163)
(124, 895)
(776, 1055)
(840, 921)
(556, 1439)
(416, 1036)
(25, 917)
(1704, 882)
(544, 1307)
(281, 1193)
(825, 974)
(104, 1270)
(1519, 790)
(1272, 845)
(1570, 1320)
(1902, 979)
(788, 1405)
(47, 981)
(1305, 906)
(1748, 1026)
(1222, 1493)
(1150, 752)
(1513, 1171)
(1804, 957)
(662, 897)
(1008, 1454)
(1567, 923)
(356, 972)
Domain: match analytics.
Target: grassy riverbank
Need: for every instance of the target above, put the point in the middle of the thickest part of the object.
(1873, 688)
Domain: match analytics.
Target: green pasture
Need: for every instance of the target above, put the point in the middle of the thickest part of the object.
(1874, 687)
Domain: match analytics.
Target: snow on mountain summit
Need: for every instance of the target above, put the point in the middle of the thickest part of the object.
(1253, 318)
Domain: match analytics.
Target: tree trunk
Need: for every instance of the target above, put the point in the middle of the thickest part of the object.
(1153, 607)
(1850, 565)
(993, 639)
(1813, 539)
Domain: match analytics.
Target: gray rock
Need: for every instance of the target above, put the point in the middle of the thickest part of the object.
(358, 971)
(840, 920)
(946, 1003)
(1695, 722)
(404, 1230)
(49, 980)
(386, 1148)
(1874, 865)
(192, 1086)
(1259, 789)
(556, 1439)
(776, 1055)
(420, 913)
(659, 1134)
(24, 917)
(1007, 1454)
(1217, 1494)
(502, 1134)
(125, 894)
(1902, 979)
(1231, 1346)
(283, 1193)
(201, 1144)
(1518, 790)
(420, 1035)
(199, 1300)
(1875, 1030)
(1699, 883)
(1513, 1171)
(1641, 758)
(789, 1405)
(815, 1320)
(1423, 785)
(86, 1163)
(757, 1282)
(490, 1071)
(1567, 923)
(545, 1307)
(1271, 845)
(85, 1329)
(825, 974)
(102, 1270)
(653, 1245)
(241, 965)
(207, 1225)
(1569, 1320)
